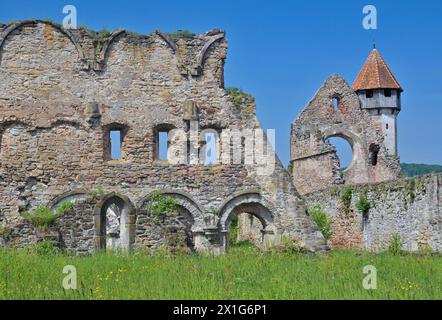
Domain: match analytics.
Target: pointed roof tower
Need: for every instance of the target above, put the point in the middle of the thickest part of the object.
(375, 74)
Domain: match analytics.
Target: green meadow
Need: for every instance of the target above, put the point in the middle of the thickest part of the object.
(243, 273)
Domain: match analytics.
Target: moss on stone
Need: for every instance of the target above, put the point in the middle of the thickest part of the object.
(184, 34)
(239, 97)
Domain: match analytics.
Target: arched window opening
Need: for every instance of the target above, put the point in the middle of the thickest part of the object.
(373, 154)
(344, 151)
(114, 225)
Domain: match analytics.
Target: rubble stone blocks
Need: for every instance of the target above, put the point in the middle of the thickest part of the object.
(63, 91)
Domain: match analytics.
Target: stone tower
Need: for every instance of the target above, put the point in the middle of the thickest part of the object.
(364, 115)
(380, 94)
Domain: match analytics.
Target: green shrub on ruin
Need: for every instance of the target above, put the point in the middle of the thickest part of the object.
(64, 207)
(159, 203)
(186, 34)
(395, 245)
(346, 198)
(322, 221)
(238, 96)
(104, 33)
(43, 248)
(233, 239)
(289, 246)
(410, 188)
(42, 217)
(290, 167)
(98, 193)
(363, 204)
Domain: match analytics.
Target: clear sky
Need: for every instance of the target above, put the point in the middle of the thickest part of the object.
(282, 51)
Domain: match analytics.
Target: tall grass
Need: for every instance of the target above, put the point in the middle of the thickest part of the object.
(243, 273)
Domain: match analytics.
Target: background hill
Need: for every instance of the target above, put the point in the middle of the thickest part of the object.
(413, 169)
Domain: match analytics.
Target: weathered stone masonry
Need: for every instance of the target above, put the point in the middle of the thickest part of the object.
(364, 115)
(410, 208)
(62, 91)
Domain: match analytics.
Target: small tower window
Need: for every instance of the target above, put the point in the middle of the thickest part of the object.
(369, 93)
(335, 103)
(386, 126)
(387, 93)
(373, 154)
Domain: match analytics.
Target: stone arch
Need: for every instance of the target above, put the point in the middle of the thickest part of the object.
(105, 50)
(178, 230)
(205, 49)
(347, 136)
(167, 39)
(185, 201)
(70, 196)
(127, 220)
(252, 203)
(57, 27)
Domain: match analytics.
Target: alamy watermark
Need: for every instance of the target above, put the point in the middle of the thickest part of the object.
(370, 281)
(70, 280)
(70, 20)
(370, 21)
(231, 146)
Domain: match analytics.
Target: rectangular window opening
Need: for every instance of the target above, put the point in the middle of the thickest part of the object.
(369, 93)
(163, 145)
(387, 92)
(115, 142)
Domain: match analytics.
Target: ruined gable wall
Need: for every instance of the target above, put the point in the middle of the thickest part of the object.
(315, 163)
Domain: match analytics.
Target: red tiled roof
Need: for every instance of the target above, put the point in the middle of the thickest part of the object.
(375, 74)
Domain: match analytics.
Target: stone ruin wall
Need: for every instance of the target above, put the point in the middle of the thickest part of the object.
(410, 208)
(315, 164)
(61, 91)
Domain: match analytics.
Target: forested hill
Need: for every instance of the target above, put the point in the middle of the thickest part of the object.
(412, 169)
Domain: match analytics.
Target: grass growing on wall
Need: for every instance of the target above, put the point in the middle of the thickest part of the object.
(244, 273)
(323, 222)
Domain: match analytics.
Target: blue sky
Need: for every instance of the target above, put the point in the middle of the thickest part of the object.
(282, 51)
